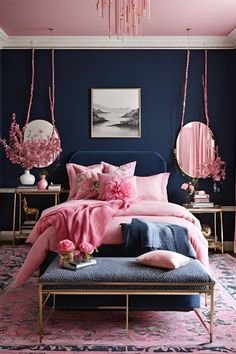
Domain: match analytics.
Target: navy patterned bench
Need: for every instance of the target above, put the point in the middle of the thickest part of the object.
(125, 276)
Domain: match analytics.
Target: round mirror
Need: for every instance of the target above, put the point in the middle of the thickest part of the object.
(195, 147)
(40, 130)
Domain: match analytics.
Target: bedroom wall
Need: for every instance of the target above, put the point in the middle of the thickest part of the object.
(159, 74)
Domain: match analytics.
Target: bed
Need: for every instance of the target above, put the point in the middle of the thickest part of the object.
(148, 164)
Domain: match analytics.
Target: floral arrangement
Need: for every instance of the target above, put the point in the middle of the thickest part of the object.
(216, 169)
(31, 152)
(66, 250)
(189, 190)
(86, 251)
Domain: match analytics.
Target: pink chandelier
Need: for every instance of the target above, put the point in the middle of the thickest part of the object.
(126, 16)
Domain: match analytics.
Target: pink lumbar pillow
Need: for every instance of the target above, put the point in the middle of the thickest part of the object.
(123, 170)
(82, 180)
(153, 187)
(112, 187)
(163, 259)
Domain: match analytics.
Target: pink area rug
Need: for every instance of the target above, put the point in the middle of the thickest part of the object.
(104, 331)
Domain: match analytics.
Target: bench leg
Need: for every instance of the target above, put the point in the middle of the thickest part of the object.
(211, 312)
(127, 321)
(40, 314)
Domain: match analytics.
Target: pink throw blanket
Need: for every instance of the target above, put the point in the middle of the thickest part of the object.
(77, 222)
(81, 223)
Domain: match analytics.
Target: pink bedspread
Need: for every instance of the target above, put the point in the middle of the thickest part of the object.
(99, 223)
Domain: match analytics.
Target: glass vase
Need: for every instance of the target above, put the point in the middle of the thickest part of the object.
(217, 193)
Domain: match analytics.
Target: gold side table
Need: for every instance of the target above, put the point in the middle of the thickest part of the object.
(213, 242)
(19, 193)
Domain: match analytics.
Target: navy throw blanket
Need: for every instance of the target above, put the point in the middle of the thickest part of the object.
(147, 235)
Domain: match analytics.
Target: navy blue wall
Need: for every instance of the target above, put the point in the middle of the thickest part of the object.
(159, 74)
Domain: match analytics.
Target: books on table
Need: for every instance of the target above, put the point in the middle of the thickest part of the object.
(202, 204)
(77, 265)
(54, 187)
(201, 200)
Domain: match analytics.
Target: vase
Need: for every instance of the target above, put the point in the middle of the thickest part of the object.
(217, 193)
(27, 178)
(42, 183)
(65, 258)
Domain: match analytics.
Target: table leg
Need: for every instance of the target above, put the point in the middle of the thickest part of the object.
(221, 232)
(14, 220)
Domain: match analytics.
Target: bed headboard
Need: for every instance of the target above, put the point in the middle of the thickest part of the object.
(148, 162)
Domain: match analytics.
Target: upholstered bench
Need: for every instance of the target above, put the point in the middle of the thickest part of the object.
(124, 276)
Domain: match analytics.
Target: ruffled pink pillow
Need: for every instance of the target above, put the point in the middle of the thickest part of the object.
(153, 187)
(83, 180)
(123, 170)
(163, 259)
(112, 187)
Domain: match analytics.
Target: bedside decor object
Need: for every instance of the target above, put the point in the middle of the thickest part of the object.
(206, 230)
(189, 189)
(43, 183)
(116, 113)
(30, 211)
(66, 250)
(27, 178)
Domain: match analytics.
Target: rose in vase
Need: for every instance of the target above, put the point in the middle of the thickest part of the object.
(86, 251)
(66, 250)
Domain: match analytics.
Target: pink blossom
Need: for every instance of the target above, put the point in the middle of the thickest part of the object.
(86, 247)
(184, 186)
(34, 151)
(66, 246)
(215, 169)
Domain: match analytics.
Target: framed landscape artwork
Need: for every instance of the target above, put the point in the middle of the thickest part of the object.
(116, 113)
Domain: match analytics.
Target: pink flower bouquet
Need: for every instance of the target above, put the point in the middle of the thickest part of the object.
(66, 250)
(86, 251)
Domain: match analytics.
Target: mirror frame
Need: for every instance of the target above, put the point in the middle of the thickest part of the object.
(191, 148)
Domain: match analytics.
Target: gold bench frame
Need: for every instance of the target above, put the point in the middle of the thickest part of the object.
(44, 294)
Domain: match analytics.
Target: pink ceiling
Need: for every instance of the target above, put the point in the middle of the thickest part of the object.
(79, 17)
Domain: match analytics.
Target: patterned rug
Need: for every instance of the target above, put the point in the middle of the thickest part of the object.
(104, 331)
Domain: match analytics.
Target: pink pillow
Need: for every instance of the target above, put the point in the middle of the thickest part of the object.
(123, 170)
(112, 187)
(82, 180)
(163, 259)
(153, 187)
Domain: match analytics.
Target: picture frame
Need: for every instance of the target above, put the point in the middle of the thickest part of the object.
(115, 113)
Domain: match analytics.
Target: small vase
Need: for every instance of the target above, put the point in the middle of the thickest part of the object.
(65, 258)
(42, 183)
(217, 193)
(27, 178)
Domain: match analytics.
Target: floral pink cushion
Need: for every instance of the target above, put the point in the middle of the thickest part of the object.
(153, 187)
(123, 170)
(83, 180)
(112, 187)
(163, 259)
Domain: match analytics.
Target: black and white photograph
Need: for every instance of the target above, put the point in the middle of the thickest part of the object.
(116, 113)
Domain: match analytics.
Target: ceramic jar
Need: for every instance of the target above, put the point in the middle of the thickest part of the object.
(43, 183)
(27, 178)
